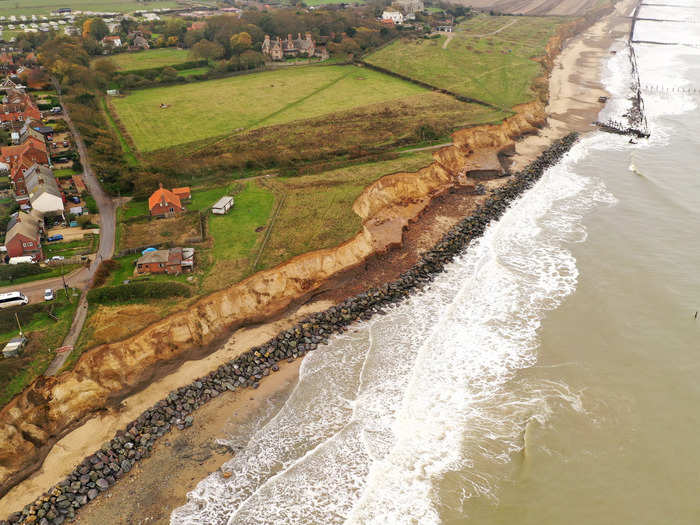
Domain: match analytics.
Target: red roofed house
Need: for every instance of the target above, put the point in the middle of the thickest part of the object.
(21, 158)
(112, 41)
(166, 203)
(17, 107)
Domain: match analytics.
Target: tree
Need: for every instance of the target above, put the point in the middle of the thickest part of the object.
(208, 50)
(173, 41)
(168, 74)
(240, 42)
(95, 28)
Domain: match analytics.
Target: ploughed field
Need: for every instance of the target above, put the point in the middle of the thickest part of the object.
(44, 7)
(151, 58)
(487, 58)
(226, 106)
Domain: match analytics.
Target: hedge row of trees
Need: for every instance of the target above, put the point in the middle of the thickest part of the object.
(133, 291)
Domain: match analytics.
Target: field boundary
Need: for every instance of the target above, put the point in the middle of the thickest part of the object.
(125, 141)
(420, 83)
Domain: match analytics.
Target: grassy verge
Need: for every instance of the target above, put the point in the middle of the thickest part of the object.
(45, 335)
(50, 273)
(126, 148)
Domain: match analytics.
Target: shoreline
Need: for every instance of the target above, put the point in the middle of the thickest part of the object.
(567, 112)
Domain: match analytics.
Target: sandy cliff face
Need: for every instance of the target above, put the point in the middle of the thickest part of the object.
(50, 407)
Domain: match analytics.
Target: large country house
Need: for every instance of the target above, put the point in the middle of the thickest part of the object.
(279, 49)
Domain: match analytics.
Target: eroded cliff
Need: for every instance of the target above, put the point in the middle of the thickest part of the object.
(50, 407)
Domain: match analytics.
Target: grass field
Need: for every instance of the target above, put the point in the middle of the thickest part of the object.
(151, 58)
(488, 58)
(44, 7)
(323, 204)
(216, 107)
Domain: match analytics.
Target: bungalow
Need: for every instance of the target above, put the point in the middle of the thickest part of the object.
(44, 194)
(166, 203)
(24, 236)
(173, 261)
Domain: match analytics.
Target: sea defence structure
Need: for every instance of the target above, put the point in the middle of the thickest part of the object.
(102, 469)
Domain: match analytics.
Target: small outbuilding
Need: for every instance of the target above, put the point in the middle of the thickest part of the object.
(223, 205)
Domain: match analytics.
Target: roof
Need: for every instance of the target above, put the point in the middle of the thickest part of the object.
(157, 256)
(24, 224)
(185, 190)
(223, 201)
(161, 195)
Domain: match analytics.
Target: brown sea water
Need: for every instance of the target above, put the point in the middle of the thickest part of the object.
(550, 375)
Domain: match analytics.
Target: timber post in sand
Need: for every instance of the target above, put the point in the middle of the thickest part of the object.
(102, 469)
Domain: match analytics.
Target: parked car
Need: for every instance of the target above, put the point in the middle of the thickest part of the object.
(65, 144)
(14, 347)
(54, 238)
(74, 199)
(49, 295)
(58, 258)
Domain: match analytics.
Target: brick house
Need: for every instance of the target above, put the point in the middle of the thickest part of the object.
(173, 261)
(292, 47)
(17, 107)
(24, 236)
(166, 203)
(22, 157)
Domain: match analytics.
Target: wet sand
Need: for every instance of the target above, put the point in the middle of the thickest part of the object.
(182, 458)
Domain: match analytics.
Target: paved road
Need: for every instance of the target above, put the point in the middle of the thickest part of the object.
(108, 223)
(34, 290)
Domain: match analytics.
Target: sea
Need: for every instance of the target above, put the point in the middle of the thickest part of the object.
(551, 375)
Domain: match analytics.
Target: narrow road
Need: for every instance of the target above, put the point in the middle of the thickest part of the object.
(108, 224)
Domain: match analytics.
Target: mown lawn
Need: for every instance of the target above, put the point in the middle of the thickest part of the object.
(206, 109)
(44, 7)
(167, 56)
(494, 68)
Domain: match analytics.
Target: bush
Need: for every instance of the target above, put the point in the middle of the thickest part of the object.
(131, 291)
(15, 271)
(103, 271)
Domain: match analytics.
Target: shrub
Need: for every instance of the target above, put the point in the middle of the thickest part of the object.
(103, 271)
(15, 271)
(131, 291)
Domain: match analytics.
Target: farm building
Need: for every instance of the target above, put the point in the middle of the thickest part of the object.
(223, 205)
(172, 261)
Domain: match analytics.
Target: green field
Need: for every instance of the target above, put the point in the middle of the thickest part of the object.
(44, 7)
(488, 58)
(151, 58)
(207, 109)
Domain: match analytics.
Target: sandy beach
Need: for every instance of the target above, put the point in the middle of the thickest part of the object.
(182, 458)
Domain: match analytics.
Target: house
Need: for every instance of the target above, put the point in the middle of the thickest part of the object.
(112, 41)
(173, 261)
(410, 6)
(165, 203)
(223, 205)
(184, 193)
(395, 16)
(21, 158)
(44, 194)
(306, 47)
(17, 107)
(197, 26)
(23, 237)
(139, 43)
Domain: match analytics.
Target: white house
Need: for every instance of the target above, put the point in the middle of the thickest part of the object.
(394, 16)
(44, 194)
(112, 41)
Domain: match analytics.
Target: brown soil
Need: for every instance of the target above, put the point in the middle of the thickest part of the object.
(178, 230)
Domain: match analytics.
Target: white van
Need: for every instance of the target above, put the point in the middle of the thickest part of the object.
(24, 259)
(8, 300)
